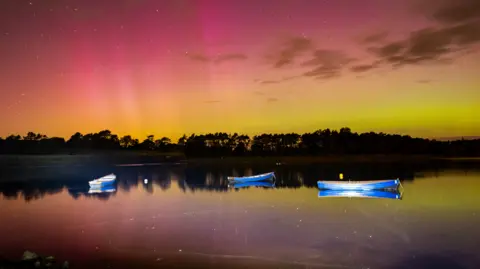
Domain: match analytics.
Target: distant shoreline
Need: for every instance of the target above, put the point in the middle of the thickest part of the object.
(156, 157)
(285, 160)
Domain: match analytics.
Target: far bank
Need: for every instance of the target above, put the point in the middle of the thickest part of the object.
(124, 158)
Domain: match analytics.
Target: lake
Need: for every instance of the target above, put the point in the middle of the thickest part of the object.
(186, 216)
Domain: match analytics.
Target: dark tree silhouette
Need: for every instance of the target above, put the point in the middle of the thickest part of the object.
(321, 142)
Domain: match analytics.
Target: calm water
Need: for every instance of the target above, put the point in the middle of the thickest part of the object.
(189, 217)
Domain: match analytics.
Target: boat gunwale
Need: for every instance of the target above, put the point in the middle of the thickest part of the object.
(256, 176)
(338, 182)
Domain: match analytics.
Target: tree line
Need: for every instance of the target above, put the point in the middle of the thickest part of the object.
(320, 142)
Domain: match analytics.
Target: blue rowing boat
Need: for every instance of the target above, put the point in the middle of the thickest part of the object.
(360, 194)
(359, 185)
(104, 181)
(261, 177)
(264, 184)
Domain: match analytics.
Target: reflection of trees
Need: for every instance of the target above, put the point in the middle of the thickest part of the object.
(100, 196)
(201, 179)
(195, 179)
(212, 178)
(29, 192)
(148, 187)
(165, 184)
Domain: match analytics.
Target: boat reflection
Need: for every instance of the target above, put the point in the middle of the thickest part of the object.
(107, 189)
(360, 194)
(188, 179)
(261, 184)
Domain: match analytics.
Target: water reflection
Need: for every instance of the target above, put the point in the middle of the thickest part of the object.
(205, 178)
(360, 194)
(102, 190)
(189, 179)
(191, 215)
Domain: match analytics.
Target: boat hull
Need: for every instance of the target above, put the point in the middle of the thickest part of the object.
(265, 184)
(359, 185)
(360, 194)
(262, 177)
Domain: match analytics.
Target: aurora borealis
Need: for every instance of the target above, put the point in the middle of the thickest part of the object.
(172, 67)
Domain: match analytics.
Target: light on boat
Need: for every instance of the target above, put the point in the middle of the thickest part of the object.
(145, 181)
(340, 175)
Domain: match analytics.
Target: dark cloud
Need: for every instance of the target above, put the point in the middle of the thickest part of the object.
(272, 100)
(230, 57)
(324, 63)
(457, 30)
(388, 50)
(465, 34)
(198, 57)
(427, 44)
(219, 59)
(430, 45)
(363, 67)
(327, 64)
(374, 38)
(424, 81)
(270, 81)
(277, 81)
(457, 11)
(328, 57)
(211, 101)
(290, 78)
(290, 50)
(323, 72)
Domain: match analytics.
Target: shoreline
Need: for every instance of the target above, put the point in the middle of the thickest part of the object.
(305, 160)
(123, 158)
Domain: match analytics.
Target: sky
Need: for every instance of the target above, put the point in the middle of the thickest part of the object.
(171, 67)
